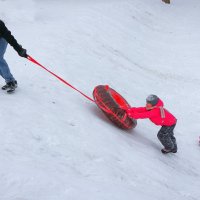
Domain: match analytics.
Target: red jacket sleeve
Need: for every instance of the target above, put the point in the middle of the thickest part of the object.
(132, 110)
(140, 109)
(145, 114)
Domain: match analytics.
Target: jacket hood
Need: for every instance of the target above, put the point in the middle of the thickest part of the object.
(160, 103)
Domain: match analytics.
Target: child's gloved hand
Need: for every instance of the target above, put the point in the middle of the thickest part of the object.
(130, 111)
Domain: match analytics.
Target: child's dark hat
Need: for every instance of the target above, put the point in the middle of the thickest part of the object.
(152, 99)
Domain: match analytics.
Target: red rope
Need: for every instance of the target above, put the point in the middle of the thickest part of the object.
(59, 78)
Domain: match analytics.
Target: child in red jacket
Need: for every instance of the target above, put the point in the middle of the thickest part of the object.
(156, 112)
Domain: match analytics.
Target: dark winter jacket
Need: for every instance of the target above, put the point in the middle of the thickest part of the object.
(6, 34)
(158, 115)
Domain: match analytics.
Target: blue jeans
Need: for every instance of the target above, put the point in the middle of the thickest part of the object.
(4, 69)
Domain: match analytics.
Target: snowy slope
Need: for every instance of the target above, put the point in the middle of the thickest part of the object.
(57, 145)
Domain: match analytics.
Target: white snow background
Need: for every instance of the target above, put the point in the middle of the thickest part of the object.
(57, 145)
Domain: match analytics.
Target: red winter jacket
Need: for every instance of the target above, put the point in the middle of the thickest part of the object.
(158, 115)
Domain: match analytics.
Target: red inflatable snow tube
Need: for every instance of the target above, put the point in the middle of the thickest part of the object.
(111, 103)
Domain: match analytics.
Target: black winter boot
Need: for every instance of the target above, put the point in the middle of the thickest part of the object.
(10, 86)
(165, 151)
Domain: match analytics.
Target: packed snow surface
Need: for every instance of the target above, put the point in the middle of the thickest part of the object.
(56, 144)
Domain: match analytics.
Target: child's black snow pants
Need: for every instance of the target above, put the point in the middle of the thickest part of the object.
(166, 137)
